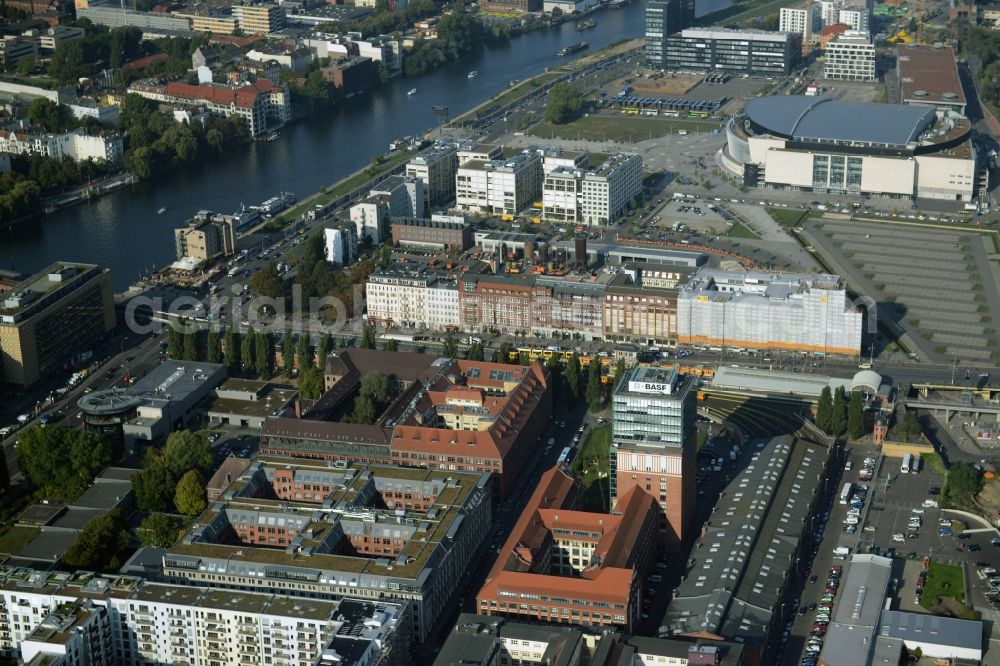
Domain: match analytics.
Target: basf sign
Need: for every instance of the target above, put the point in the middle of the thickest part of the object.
(649, 387)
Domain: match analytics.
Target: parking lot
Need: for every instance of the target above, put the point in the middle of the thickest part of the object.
(949, 307)
(893, 501)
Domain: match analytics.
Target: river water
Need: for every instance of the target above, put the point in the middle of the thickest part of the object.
(123, 231)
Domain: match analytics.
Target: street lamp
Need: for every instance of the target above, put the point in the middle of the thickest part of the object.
(122, 350)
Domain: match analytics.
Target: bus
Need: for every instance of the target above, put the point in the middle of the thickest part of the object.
(907, 464)
(845, 493)
(566, 455)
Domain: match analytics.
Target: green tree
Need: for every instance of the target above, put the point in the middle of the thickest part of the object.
(824, 409)
(911, 426)
(158, 530)
(573, 378)
(153, 485)
(390, 346)
(565, 103)
(190, 496)
(450, 348)
(62, 461)
(175, 342)
(303, 352)
(215, 140)
(962, 484)
(190, 338)
(619, 373)
(377, 387)
(247, 346)
(364, 410)
(53, 117)
(838, 413)
(25, 66)
(503, 355)
(367, 337)
(101, 544)
(555, 367)
(264, 356)
(230, 351)
(186, 450)
(325, 345)
(475, 352)
(310, 383)
(212, 346)
(855, 416)
(594, 385)
(267, 282)
(288, 354)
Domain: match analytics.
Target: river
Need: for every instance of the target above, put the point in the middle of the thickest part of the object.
(123, 231)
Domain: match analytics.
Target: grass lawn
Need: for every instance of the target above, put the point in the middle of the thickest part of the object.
(943, 580)
(16, 538)
(621, 128)
(788, 217)
(591, 463)
(740, 230)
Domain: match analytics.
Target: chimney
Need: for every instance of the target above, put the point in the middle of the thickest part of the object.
(581, 251)
(298, 408)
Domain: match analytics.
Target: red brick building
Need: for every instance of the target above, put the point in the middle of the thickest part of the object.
(565, 566)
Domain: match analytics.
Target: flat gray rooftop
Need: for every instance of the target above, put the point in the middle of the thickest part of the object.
(823, 119)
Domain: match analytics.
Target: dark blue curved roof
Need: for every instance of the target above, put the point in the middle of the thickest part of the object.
(821, 118)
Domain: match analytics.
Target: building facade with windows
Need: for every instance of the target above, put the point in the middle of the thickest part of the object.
(503, 187)
(850, 57)
(591, 195)
(86, 619)
(653, 445)
(51, 316)
(759, 310)
(259, 19)
(664, 18)
(728, 50)
(819, 144)
(561, 565)
(436, 168)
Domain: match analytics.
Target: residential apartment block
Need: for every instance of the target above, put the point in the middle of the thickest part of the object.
(591, 196)
(503, 187)
(436, 168)
(85, 619)
(609, 305)
(50, 316)
(804, 21)
(724, 49)
(762, 310)
(77, 145)
(850, 57)
(323, 531)
(653, 445)
(561, 565)
(206, 237)
(262, 105)
(411, 295)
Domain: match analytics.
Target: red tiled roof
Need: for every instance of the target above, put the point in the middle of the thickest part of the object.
(243, 96)
(142, 63)
(834, 29)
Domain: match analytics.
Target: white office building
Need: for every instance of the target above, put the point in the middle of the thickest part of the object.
(592, 196)
(850, 57)
(759, 310)
(405, 196)
(502, 187)
(412, 296)
(341, 244)
(436, 169)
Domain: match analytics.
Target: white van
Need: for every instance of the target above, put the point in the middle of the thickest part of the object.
(841, 552)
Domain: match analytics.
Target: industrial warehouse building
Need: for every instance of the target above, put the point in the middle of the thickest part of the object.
(760, 310)
(818, 144)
